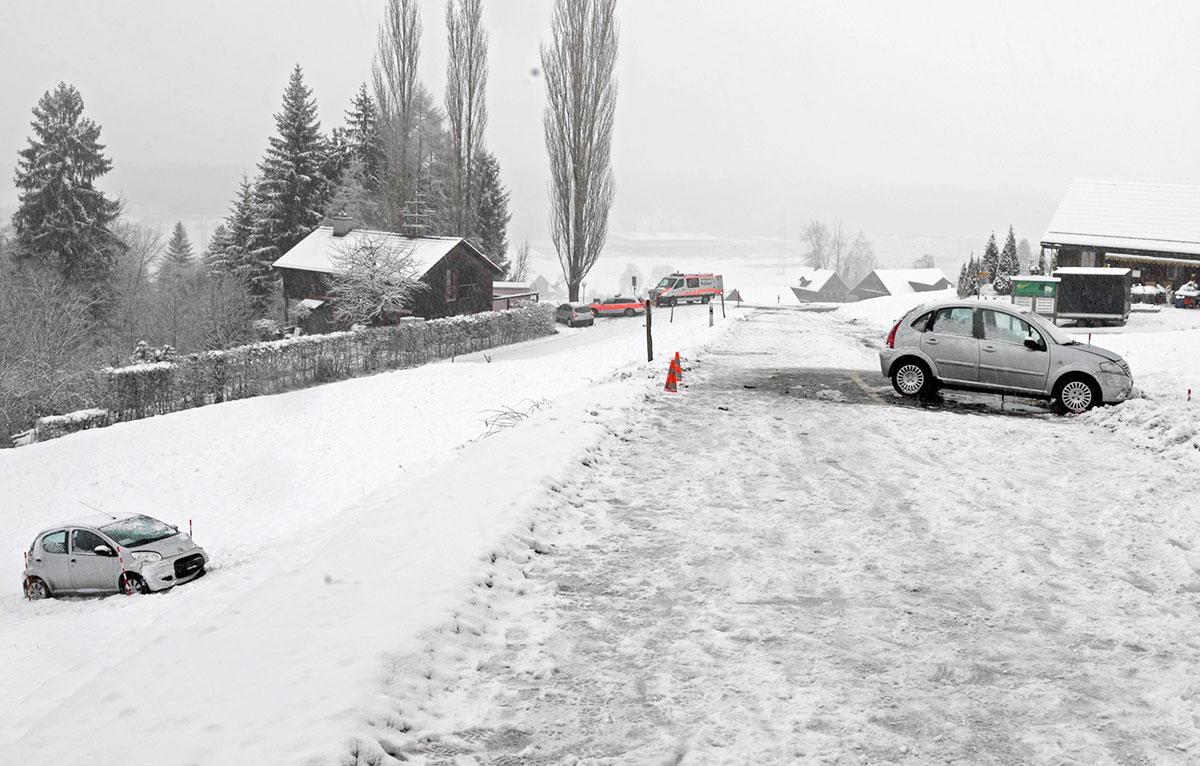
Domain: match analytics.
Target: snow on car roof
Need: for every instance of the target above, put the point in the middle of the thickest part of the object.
(92, 520)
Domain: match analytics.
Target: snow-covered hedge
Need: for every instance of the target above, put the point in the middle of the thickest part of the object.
(54, 426)
(142, 390)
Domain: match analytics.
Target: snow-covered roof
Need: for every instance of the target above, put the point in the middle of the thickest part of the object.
(512, 285)
(901, 281)
(1090, 270)
(1133, 215)
(318, 251)
(814, 279)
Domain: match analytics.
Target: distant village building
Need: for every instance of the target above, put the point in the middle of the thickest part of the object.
(882, 282)
(1151, 228)
(819, 286)
(505, 295)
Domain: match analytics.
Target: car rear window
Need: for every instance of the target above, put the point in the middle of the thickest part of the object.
(920, 322)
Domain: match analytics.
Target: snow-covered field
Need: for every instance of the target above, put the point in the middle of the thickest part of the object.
(384, 579)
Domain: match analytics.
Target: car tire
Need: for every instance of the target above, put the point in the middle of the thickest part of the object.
(629, 312)
(136, 584)
(911, 378)
(1075, 394)
(705, 299)
(35, 589)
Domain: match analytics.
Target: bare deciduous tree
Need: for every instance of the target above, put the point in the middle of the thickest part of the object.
(394, 76)
(581, 92)
(466, 107)
(519, 270)
(816, 236)
(374, 277)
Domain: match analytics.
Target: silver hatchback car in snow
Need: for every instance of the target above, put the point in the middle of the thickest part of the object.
(998, 348)
(99, 554)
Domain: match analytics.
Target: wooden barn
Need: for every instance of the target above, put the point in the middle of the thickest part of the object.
(819, 286)
(459, 277)
(1153, 229)
(882, 282)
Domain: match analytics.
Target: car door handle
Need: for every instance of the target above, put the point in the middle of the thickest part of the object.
(931, 341)
(989, 348)
(72, 561)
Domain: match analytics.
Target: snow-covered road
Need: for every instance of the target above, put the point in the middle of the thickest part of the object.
(746, 577)
(730, 574)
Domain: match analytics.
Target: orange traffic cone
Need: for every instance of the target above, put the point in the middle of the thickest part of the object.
(678, 369)
(672, 384)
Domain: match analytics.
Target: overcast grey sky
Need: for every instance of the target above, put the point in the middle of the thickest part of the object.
(746, 117)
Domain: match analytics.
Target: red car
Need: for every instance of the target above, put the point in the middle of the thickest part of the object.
(618, 306)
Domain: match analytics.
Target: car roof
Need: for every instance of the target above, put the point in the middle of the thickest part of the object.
(973, 303)
(91, 521)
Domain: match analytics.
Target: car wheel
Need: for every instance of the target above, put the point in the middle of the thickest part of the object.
(135, 584)
(705, 299)
(35, 589)
(911, 378)
(629, 312)
(1076, 394)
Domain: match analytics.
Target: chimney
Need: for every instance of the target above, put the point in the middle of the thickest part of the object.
(342, 224)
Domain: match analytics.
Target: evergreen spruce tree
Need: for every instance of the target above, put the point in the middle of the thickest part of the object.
(493, 215)
(289, 198)
(991, 259)
(230, 253)
(62, 220)
(364, 138)
(964, 285)
(974, 266)
(1007, 265)
(217, 245)
(1041, 264)
(178, 258)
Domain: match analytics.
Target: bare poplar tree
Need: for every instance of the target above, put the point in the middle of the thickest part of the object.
(466, 108)
(581, 93)
(394, 75)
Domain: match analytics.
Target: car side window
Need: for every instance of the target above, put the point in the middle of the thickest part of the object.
(1006, 328)
(921, 322)
(85, 542)
(953, 320)
(693, 281)
(55, 542)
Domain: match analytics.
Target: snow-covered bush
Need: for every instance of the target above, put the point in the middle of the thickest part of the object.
(54, 426)
(269, 367)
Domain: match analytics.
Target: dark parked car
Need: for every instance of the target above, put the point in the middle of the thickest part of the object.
(575, 314)
(994, 347)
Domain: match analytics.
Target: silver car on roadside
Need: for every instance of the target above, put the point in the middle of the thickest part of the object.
(103, 553)
(999, 348)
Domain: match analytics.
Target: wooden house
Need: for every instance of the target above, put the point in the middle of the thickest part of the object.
(819, 286)
(882, 282)
(1153, 229)
(458, 276)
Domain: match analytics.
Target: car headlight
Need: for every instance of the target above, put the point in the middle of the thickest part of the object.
(147, 556)
(1112, 368)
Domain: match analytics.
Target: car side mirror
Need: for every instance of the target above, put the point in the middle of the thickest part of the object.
(1033, 343)
(103, 550)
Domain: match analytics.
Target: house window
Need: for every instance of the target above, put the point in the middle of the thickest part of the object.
(451, 284)
(1087, 258)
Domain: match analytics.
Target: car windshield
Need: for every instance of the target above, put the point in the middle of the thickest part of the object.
(667, 282)
(138, 530)
(1048, 327)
